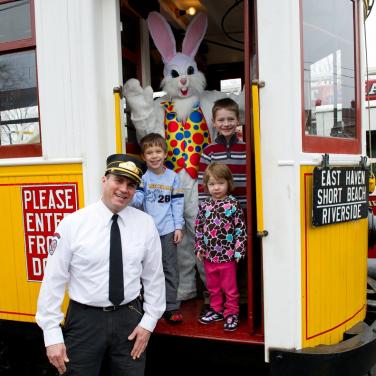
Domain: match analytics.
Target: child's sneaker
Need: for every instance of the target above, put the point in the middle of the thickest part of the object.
(231, 323)
(173, 317)
(210, 316)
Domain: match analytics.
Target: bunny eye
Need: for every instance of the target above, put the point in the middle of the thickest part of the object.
(174, 73)
(190, 70)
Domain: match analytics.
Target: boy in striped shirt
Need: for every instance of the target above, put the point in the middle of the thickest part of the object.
(227, 149)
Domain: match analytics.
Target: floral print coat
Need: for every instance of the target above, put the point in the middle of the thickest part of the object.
(220, 230)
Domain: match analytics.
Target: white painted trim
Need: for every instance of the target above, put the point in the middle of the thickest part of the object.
(281, 148)
(286, 163)
(37, 161)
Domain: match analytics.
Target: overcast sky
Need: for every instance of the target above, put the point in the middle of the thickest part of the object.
(371, 38)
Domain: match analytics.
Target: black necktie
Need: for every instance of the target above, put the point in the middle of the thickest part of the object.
(116, 283)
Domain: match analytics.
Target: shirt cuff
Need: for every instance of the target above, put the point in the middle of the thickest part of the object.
(147, 322)
(53, 336)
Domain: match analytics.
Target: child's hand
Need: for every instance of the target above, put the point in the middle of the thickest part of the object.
(178, 236)
(200, 256)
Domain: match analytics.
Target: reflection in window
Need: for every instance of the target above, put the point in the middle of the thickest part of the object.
(19, 117)
(15, 21)
(371, 151)
(232, 85)
(329, 68)
(19, 126)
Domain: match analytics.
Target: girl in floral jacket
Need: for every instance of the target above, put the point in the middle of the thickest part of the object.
(220, 243)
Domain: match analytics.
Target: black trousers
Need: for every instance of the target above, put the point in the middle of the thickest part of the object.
(90, 333)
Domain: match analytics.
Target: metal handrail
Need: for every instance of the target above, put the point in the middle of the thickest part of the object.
(118, 139)
(258, 171)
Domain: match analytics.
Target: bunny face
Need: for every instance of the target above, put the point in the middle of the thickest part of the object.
(180, 65)
(182, 78)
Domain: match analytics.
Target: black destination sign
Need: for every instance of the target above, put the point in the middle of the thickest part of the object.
(340, 194)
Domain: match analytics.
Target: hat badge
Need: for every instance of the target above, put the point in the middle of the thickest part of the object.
(129, 166)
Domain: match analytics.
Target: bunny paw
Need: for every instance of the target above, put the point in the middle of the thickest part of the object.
(132, 88)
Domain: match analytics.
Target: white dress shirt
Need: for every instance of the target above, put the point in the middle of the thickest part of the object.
(80, 261)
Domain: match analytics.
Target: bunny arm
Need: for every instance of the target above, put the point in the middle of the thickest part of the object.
(146, 114)
(152, 123)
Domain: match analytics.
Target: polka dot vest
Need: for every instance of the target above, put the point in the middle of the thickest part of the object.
(185, 140)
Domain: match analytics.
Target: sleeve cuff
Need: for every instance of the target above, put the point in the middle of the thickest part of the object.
(148, 322)
(53, 336)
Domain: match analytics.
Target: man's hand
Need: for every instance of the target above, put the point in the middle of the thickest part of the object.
(57, 356)
(178, 236)
(142, 338)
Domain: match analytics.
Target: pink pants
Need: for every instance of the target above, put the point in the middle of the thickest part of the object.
(221, 284)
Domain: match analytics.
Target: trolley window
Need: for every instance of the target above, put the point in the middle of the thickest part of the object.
(331, 100)
(19, 111)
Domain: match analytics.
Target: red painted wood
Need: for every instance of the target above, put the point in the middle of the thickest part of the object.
(190, 327)
(132, 148)
(249, 165)
(23, 43)
(21, 150)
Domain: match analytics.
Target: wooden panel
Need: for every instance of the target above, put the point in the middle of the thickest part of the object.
(18, 300)
(191, 328)
(334, 272)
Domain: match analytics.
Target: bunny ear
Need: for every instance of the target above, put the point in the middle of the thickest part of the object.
(195, 34)
(162, 35)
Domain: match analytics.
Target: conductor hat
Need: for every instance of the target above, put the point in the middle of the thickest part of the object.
(125, 165)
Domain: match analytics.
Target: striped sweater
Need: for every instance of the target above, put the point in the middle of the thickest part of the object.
(233, 154)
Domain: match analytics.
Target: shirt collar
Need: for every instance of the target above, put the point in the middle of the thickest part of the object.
(222, 140)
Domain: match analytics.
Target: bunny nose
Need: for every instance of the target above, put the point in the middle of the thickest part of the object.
(183, 81)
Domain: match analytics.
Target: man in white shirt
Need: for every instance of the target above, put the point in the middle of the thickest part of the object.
(79, 259)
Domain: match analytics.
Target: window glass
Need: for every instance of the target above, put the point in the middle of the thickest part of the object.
(231, 85)
(19, 117)
(15, 22)
(329, 68)
(371, 151)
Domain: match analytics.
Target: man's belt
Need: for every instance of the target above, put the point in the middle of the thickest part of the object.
(105, 309)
